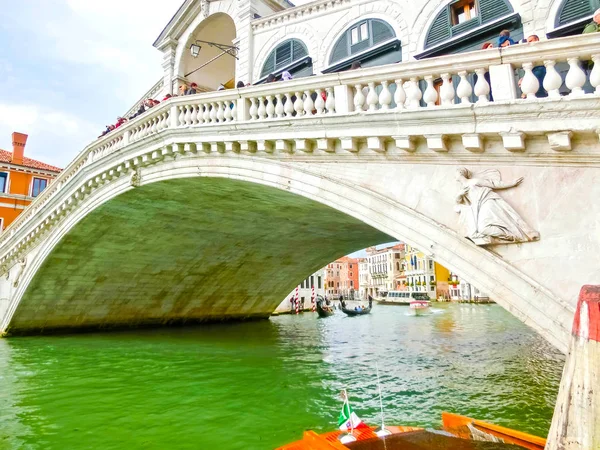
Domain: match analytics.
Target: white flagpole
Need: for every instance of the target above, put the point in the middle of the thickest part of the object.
(380, 399)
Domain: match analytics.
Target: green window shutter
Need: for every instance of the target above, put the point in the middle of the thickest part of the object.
(381, 31)
(493, 9)
(340, 51)
(269, 65)
(299, 50)
(284, 54)
(572, 10)
(440, 29)
(462, 27)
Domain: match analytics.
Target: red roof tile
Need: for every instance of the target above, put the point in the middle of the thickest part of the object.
(6, 156)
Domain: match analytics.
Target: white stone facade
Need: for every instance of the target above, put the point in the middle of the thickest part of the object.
(385, 266)
(258, 26)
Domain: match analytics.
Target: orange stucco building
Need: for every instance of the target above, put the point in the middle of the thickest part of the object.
(341, 277)
(21, 179)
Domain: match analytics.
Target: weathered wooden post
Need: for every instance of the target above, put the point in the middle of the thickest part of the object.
(576, 420)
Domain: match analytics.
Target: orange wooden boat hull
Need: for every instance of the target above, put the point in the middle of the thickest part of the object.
(459, 426)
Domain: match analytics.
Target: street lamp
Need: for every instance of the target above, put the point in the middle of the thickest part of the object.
(195, 50)
(229, 49)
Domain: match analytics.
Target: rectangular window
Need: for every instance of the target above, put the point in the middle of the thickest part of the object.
(431, 264)
(359, 33)
(364, 31)
(462, 11)
(312, 281)
(3, 181)
(39, 184)
(354, 36)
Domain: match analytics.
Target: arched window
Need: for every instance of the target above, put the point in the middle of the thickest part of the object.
(373, 42)
(572, 17)
(291, 56)
(464, 25)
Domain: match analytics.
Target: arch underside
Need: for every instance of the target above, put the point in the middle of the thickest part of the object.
(182, 251)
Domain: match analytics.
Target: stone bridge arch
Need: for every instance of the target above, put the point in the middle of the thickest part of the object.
(312, 209)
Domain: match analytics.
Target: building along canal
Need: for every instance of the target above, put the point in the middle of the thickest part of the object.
(259, 385)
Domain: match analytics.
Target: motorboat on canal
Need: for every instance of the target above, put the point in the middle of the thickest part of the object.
(323, 309)
(357, 310)
(402, 298)
(420, 306)
(458, 433)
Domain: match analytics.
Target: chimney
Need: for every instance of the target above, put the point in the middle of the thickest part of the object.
(19, 141)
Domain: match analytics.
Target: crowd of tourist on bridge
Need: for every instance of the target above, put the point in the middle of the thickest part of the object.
(504, 40)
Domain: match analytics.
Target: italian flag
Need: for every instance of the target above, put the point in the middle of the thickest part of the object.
(348, 419)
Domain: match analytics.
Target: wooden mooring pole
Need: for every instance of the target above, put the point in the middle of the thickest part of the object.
(576, 420)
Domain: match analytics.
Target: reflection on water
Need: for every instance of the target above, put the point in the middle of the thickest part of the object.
(261, 384)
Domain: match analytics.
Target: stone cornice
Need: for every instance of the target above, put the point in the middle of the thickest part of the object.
(298, 13)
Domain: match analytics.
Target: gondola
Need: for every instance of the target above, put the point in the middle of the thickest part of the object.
(354, 312)
(323, 310)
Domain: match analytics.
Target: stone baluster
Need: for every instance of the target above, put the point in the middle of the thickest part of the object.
(154, 125)
(464, 89)
(430, 96)
(359, 98)
(270, 107)
(288, 106)
(575, 78)
(552, 80)
(447, 92)
(319, 102)
(330, 102)
(299, 104)
(279, 108)
(221, 111)
(164, 121)
(194, 116)
(482, 87)
(181, 116)
(372, 97)
(188, 115)
(529, 84)
(414, 93)
(233, 111)
(385, 96)
(309, 105)
(253, 109)
(400, 94)
(206, 113)
(262, 108)
(213, 112)
(228, 113)
(595, 74)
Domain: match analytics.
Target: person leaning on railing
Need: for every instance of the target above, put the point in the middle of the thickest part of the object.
(594, 26)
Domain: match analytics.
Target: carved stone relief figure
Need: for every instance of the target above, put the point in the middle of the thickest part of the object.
(22, 264)
(485, 216)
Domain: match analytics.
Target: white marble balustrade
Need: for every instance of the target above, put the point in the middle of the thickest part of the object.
(311, 101)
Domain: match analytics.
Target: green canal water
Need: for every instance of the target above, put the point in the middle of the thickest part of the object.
(259, 385)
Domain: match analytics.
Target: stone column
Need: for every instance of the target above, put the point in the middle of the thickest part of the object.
(168, 65)
(245, 42)
(576, 420)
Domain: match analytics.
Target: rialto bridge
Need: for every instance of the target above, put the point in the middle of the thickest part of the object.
(212, 206)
